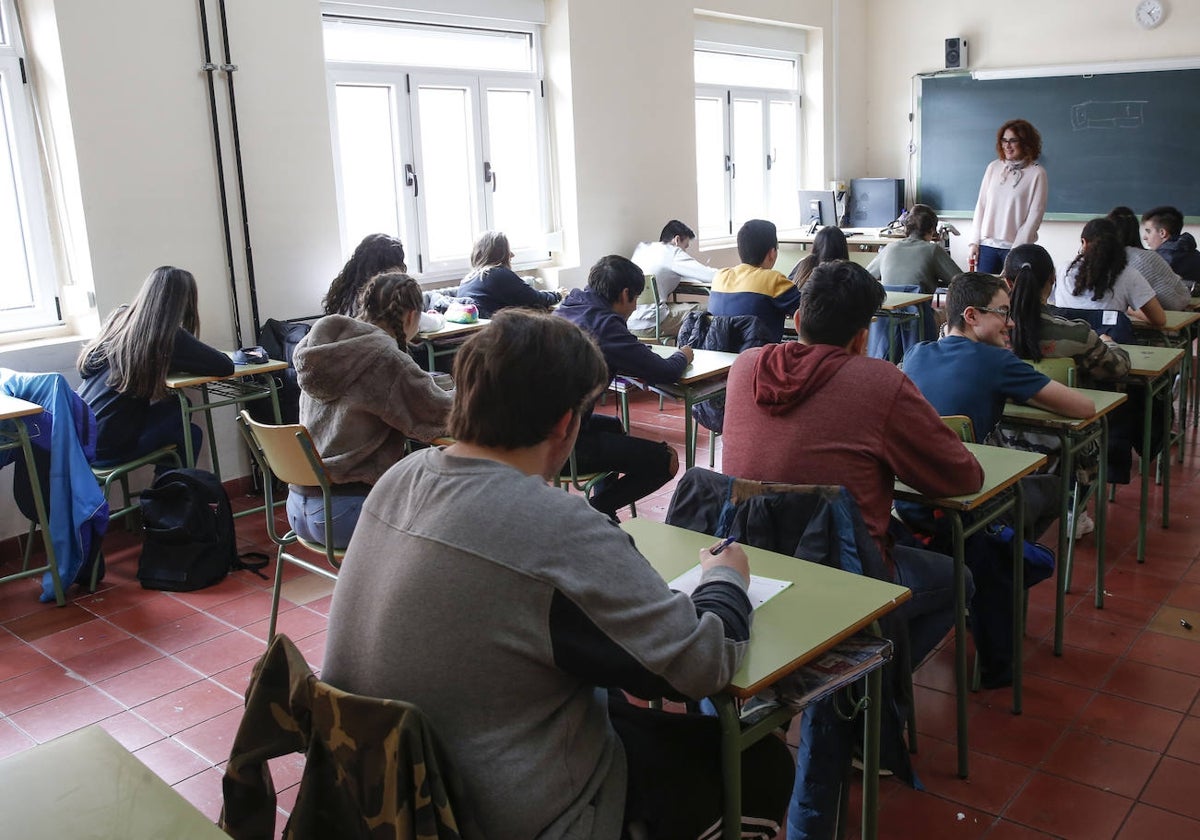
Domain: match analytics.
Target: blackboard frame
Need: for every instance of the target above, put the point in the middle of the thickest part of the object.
(1109, 138)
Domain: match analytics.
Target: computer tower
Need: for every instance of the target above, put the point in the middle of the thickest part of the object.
(875, 202)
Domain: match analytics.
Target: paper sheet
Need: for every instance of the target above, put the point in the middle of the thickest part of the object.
(762, 589)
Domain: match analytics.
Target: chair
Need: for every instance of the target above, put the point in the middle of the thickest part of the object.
(1060, 370)
(372, 766)
(288, 454)
(585, 483)
(961, 425)
(650, 297)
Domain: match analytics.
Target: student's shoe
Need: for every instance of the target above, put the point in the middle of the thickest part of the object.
(1084, 524)
(857, 763)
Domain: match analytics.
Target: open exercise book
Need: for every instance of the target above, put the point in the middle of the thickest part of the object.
(761, 590)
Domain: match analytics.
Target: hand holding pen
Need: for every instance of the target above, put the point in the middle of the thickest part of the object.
(726, 553)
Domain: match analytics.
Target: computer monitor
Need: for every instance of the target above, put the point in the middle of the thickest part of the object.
(875, 202)
(817, 208)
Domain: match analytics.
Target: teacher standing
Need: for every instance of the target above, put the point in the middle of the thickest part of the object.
(1012, 197)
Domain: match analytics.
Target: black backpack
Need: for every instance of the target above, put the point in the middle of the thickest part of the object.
(279, 339)
(188, 528)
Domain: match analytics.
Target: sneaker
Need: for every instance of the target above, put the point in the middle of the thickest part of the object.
(857, 764)
(1084, 524)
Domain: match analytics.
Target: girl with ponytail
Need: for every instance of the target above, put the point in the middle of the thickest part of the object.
(362, 397)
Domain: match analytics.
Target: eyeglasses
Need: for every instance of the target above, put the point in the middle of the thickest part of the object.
(1003, 311)
(1010, 141)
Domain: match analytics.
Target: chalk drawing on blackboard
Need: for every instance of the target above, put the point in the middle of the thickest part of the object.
(1105, 114)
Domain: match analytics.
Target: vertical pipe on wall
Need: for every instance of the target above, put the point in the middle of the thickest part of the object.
(209, 68)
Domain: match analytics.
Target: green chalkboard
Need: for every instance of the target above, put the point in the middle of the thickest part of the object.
(1109, 139)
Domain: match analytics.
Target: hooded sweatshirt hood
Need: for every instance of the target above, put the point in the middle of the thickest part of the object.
(787, 374)
(337, 352)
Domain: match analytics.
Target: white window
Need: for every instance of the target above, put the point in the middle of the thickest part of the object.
(29, 296)
(439, 135)
(747, 140)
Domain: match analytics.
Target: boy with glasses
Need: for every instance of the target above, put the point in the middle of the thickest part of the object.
(972, 371)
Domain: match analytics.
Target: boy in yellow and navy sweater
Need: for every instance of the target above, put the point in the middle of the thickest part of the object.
(755, 287)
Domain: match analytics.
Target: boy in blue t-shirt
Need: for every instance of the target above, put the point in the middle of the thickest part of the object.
(972, 371)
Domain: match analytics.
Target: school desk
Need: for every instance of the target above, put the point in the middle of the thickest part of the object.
(1153, 365)
(1001, 493)
(1074, 435)
(447, 340)
(246, 384)
(822, 607)
(85, 784)
(1180, 330)
(14, 435)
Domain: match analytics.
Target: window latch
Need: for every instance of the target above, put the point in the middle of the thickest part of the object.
(730, 167)
(489, 175)
(410, 179)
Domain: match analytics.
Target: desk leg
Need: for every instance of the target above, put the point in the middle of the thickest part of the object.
(891, 339)
(960, 636)
(1165, 457)
(212, 437)
(872, 726)
(1018, 596)
(1066, 545)
(1101, 511)
(1185, 376)
(731, 762)
(185, 413)
(690, 431)
(1146, 464)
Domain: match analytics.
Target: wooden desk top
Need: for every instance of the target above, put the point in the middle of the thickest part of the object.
(1030, 415)
(1002, 468)
(854, 236)
(183, 379)
(898, 300)
(1150, 362)
(87, 785)
(1176, 321)
(821, 608)
(13, 407)
(449, 330)
(706, 364)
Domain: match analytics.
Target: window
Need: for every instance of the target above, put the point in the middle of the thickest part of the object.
(443, 145)
(747, 140)
(30, 287)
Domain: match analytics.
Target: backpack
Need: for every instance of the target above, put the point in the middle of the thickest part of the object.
(187, 523)
(279, 339)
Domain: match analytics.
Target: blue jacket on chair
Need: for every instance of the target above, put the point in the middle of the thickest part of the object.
(77, 510)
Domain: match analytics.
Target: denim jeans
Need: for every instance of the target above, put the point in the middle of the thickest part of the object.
(991, 260)
(306, 515)
(164, 425)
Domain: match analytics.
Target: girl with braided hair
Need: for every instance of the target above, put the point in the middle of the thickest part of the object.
(362, 397)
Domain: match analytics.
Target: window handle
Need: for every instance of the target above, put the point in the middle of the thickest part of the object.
(770, 158)
(410, 179)
(730, 167)
(489, 175)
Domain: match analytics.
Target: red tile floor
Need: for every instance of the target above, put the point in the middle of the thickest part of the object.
(1108, 746)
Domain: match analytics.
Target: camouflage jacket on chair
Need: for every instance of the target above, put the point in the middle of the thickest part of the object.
(374, 768)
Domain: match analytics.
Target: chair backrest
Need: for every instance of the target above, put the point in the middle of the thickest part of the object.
(1060, 370)
(649, 294)
(961, 425)
(286, 452)
(1116, 325)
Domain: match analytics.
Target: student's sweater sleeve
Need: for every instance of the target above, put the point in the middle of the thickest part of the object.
(513, 291)
(191, 355)
(625, 354)
(947, 269)
(875, 269)
(618, 625)
(410, 400)
(1102, 361)
(924, 452)
(787, 296)
(685, 265)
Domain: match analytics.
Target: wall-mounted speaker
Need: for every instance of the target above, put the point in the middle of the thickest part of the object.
(956, 53)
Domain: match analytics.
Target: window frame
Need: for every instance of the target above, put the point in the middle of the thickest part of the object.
(404, 82)
(18, 127)
(728, 95)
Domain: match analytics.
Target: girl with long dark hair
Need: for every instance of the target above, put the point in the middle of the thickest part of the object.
(829, 244)
(1100, 277)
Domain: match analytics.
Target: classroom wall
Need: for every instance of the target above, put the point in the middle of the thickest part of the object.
(1020, 33)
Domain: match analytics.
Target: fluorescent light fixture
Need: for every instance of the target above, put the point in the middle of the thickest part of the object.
(1096, 69)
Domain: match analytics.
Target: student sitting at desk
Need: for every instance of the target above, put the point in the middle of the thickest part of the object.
(361, 398)
(376, 254)
(125, 368)
(503, 608)
(798, 395)
(754, 287)
(829, 244)
(1169, 288)
(492, 283)
(669, 262)
(1100, 277)
(1162, 229)
(972, 371)
(917, 260)
(601, 310)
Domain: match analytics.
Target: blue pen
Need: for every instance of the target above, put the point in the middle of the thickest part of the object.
(721, 546)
